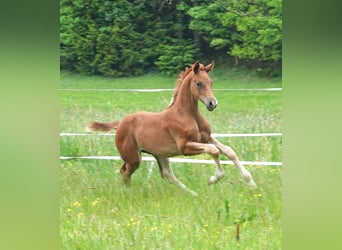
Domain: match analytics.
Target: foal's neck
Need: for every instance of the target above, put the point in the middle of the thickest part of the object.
(185, 101)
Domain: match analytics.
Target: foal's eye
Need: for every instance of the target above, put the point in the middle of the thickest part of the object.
(199, 85)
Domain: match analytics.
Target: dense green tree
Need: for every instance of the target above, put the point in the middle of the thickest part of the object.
(177, 48)
(128, 37)
(106, 37)
(249, 30)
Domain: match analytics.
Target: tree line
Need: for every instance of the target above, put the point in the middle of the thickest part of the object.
(130, 37)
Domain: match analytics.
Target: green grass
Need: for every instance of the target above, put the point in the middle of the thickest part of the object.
(98, 212)
(222, 77)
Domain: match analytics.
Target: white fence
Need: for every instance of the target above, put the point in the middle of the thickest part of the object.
(165, 90)
(178, 160)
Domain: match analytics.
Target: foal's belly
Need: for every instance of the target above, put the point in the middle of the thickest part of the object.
(157, 135)
(159, 145)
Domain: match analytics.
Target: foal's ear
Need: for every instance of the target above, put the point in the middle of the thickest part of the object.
(196, 67)
(209, 67)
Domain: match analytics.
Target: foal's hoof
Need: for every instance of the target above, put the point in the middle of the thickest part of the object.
(212, 180)
(193, 193)
(253, 185)
(215, 178)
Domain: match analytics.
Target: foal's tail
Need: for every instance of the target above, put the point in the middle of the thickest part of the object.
(103, 126)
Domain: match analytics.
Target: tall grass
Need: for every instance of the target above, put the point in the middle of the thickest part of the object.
(99, 212)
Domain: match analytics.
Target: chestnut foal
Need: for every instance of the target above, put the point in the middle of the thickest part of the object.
(178, 130)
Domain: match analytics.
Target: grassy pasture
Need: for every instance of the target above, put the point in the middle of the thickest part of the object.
(98, 212)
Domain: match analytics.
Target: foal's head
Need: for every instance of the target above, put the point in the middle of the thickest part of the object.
(201, 85)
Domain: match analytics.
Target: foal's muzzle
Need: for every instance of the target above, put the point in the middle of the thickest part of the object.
(211, 103)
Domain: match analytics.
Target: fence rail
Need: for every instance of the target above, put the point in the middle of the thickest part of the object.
(177, 160)
(215, 135)
(165, 90)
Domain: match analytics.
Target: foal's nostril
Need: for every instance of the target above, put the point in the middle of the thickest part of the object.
(211, 105)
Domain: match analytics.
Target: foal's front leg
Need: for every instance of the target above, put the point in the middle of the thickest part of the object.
(229, 152)
(193, 148)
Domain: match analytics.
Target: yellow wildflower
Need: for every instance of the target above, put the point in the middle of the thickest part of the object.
(95, 201)
(77, 204)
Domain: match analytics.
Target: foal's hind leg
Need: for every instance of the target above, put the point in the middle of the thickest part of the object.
(131, 157)
(127, 170)
(229, 152)
(166, 172)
